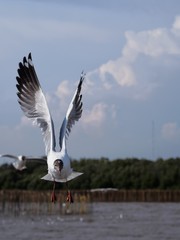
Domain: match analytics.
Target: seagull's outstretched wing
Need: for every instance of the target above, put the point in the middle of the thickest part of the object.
(42, 160)
(33, 102)
(19, 161)
(73, 114)
(9, 156)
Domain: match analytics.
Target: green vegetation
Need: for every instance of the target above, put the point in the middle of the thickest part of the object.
(129, 173)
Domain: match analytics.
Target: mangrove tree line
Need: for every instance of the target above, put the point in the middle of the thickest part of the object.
(128, 173)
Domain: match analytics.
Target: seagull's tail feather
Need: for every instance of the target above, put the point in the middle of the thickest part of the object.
(73, 175)
(48, 177)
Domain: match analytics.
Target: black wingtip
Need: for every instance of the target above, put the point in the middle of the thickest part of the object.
(82, 77)
(29, 56)
(83, 74)
(24, 60)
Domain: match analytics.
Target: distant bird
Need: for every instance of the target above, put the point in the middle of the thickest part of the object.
(20, 161)
(33, 103)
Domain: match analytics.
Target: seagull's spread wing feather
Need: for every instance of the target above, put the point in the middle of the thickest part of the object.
(9, 156)
(33, 102)
(73, 114)
(36, 159)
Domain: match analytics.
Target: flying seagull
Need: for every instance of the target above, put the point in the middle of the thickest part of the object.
(21, 160)
(34, 105)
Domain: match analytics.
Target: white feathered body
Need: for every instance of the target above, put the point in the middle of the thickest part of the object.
(65, 172)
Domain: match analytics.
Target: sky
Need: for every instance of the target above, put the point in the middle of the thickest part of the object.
(130, 51)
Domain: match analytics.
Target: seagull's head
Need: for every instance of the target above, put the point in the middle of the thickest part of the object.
(22, 158)
(58, 165)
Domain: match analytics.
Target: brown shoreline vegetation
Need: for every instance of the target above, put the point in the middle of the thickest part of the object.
(94, 195)
(23, 202)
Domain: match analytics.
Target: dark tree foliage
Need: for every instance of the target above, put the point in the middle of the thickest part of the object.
(130, 173)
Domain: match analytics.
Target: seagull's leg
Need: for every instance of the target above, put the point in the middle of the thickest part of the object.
(69, 195)
(53, 195)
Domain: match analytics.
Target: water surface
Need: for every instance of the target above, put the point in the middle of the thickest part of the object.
(126, 221)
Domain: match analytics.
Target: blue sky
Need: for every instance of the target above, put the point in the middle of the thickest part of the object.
(130, 51)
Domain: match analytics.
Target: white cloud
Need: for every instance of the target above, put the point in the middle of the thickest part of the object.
(89, 84)
(152, 43)
(62, 97)
(176, 24)
(155, 43)
(119, 70)
(63, 90)
(96, 115)
(170, 131)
